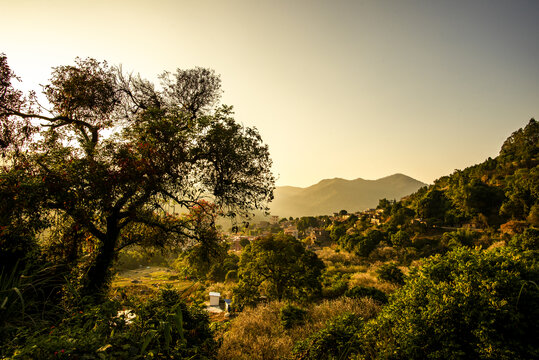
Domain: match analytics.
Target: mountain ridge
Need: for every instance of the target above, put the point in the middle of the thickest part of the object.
(332, 195)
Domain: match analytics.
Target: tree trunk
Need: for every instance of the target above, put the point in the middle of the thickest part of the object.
(99, 274)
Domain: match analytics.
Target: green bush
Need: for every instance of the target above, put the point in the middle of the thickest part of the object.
(391, 273)
(162, 327)
(528, 240)
(334, 283)
(358, 292)
(337, 340)
(459, 238)
(467, 304)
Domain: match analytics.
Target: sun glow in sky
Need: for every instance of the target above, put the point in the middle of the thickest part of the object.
(336, 88)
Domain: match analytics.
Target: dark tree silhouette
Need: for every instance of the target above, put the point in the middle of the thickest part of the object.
(113, 153)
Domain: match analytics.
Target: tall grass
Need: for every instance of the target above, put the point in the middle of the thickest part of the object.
(259, 334)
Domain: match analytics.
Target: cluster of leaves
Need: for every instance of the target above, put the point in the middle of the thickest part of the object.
(162, 327)
(278, 267)
(391, 273)
(337, 340)
(465, 304)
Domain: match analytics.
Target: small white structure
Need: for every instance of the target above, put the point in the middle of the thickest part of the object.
(214, 298)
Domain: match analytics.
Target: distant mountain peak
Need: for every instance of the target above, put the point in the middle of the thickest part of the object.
(332, 195)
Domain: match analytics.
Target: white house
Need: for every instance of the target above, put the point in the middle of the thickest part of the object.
(214, 298)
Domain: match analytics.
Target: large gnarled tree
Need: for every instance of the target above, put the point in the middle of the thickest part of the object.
(111, 149)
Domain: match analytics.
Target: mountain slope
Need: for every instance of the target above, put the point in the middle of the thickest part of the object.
(332, 195)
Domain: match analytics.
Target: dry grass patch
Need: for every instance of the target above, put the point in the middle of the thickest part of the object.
(258, 333)
(332, 257)
(370, 279)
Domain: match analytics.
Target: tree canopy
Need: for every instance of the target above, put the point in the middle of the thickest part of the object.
(467, 304)
(279, 267)
(111, 153)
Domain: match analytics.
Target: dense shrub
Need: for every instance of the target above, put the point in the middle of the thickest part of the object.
(391, 273)
(459, 238)
(162, 327)
(359, 292)
(528, 240)
(466, 304)
(337, 340)
(401, 238)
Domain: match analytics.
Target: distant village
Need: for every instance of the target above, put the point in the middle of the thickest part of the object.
(313, 236)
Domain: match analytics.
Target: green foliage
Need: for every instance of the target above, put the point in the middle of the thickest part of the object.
(529, 240)
(465, 304)
(462, 237)
(244, 242)
(220, 269)
(292, 316)
(337, 231)
(391, 273)
(114, 155)
(359, 292)
(162, 327)
(280, 267)
(400, 215)
(306, 222)
(368, 242)
(401, 239)
(522, 146)
(232, 275)
(337, 340)
(364, 244)
(334, 283)
(134, 257)
(433, 206)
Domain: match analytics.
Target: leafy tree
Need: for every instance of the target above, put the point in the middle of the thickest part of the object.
(433, 206)
(522, 145)
(368, 242)
(391, 273)
(401, 215)
(401, 239)
(280, 267)
(220, 269)
(386, 205)
(466, 304)
(349, 242)
(113, 153)
(482, 199)
(306, 222)
(337, 231)
(521, 193)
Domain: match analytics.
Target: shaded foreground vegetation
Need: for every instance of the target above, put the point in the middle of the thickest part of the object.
(449, 272)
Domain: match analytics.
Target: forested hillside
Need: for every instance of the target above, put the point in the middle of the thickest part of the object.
(492, 193)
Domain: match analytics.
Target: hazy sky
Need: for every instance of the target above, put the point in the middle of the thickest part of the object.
(336, 88)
